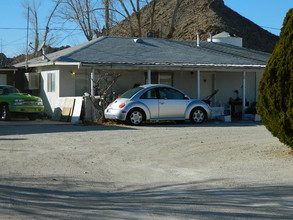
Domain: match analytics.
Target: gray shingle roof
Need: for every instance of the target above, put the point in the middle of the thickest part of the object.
(153, 51)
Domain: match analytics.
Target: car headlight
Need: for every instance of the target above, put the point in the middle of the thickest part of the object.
(18, 102)
(40, 101)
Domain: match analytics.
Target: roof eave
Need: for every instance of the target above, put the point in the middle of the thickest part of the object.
(160, 66)
(51, 63)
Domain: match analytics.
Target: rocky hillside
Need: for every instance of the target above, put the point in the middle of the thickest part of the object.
(199, 15)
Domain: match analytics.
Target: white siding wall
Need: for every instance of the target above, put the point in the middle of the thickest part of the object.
(228, 82)
(225, 82)
(127, 80)
(186, 81)
(66, 85)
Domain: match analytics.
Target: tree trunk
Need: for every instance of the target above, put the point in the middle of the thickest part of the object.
(173, 18)
(153, 14)
(128, 18)
(107, 17)
(47, 29)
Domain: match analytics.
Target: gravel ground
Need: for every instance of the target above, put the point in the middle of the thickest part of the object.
(214, 170)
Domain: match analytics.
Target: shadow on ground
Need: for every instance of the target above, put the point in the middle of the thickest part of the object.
(23, 127)
(39, 127)
(60, 198)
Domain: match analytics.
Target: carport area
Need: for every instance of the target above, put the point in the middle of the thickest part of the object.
(216, 170)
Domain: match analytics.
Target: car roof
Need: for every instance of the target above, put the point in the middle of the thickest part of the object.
(5, 86)
(155, 85)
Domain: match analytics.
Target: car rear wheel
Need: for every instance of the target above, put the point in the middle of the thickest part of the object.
(4, 112)
(135, 117)
(198, 115)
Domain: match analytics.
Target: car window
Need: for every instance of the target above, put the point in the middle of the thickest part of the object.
(128, 94)
(12, 90)
(168, 93)
(150, 94)
(7, 90)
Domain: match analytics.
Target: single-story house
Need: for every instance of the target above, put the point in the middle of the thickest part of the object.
(197, 68)
(15, 77)
(7, 75)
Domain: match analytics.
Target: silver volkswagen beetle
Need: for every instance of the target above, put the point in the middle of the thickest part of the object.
(156, 102)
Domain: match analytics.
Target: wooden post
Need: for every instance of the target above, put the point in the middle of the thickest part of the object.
(243, 94)
(92, 82)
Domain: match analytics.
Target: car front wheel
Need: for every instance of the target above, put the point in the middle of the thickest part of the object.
(32, 116)
(198, 115)
(135, 117)
(4, 112)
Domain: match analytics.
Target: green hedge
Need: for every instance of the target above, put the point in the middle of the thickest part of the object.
(275, 101)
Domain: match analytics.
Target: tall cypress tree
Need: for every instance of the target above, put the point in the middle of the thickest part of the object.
(275, 102)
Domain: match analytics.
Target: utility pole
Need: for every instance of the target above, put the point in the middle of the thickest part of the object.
(27, 30)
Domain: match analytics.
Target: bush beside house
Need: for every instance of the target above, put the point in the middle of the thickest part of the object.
(275, 103)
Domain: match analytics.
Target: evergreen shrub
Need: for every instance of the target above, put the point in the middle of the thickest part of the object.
(275, 101)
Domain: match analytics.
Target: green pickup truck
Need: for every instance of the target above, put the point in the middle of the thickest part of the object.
(14, 102)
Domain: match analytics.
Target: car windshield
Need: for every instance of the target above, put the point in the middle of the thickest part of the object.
(5, 90)
(128, 94)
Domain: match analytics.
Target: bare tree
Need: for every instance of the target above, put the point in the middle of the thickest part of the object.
(82, 12)
(135, 9)
(154, 2)
(33, 7)
(137, 12)
(173, 18)
(107, 16)
(47, 29)
(103, 88)
(127, 17)
(88, 15)
(3, 60)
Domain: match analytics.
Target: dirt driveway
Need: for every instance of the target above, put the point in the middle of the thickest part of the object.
(215, 170)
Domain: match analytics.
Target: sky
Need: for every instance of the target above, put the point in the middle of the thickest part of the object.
(269, 14)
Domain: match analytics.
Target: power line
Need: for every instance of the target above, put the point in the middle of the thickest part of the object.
(52, 29)
(75, 29)
(271, 28)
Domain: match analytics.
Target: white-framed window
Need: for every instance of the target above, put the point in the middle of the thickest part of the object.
(51, 82)
(161, 78)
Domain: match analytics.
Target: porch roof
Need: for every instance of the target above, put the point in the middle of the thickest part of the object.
(4, 69)
(126, 52)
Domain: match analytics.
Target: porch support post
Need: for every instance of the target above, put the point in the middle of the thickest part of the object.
(198, 84)
(149, 77)
(92, 82)
(243, 93)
